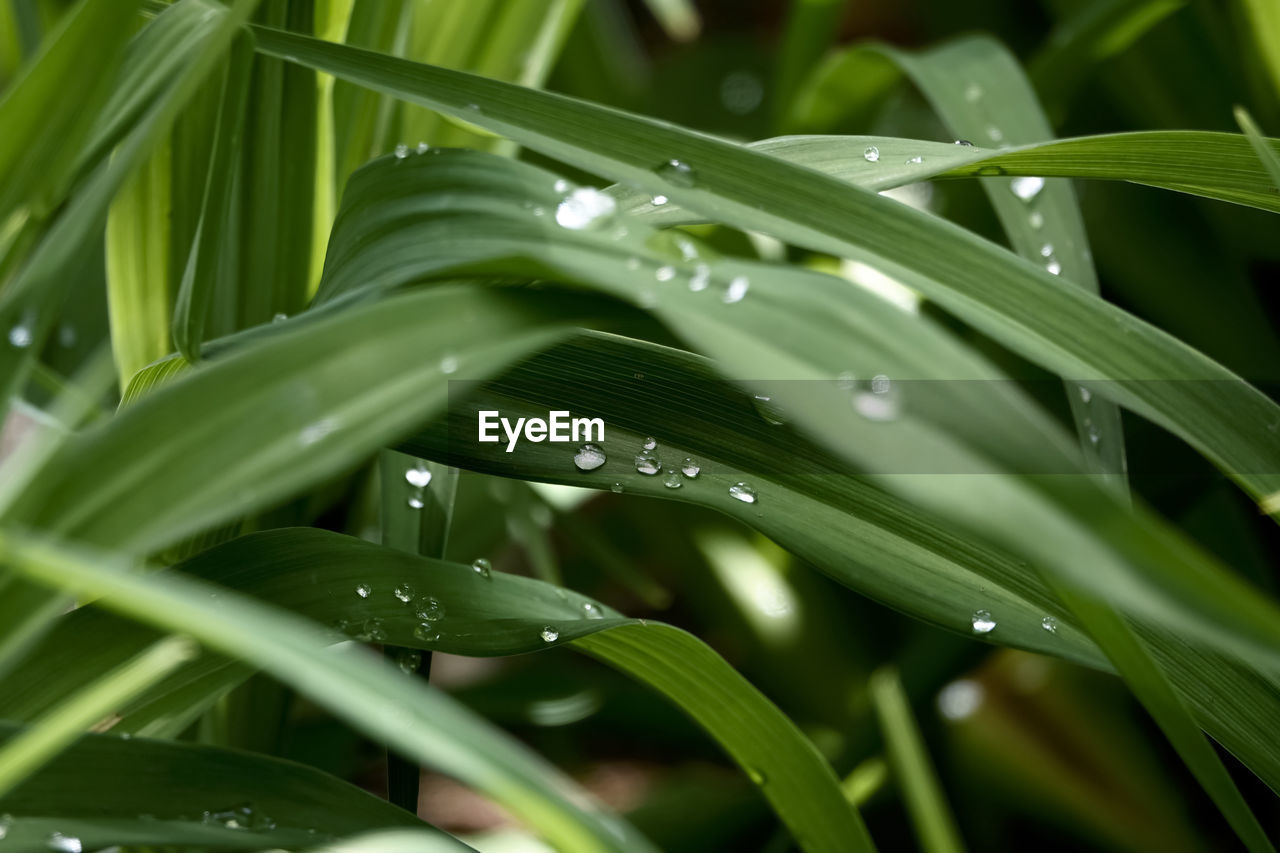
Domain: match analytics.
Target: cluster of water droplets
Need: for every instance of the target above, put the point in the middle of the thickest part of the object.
(243, 816)
(403, 150)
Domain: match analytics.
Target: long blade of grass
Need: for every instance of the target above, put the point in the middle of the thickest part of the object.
(1020, 305)
(162, 793)
(60, 727)
(935, 827)
(372, 695)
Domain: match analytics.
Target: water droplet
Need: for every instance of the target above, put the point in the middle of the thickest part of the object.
(915, 161)
(402, 151)
(482, 567)
(404, 592)
(64, 843)
(688, 250)
(561, 186)
(616, 488)
(20, 336)
(649, 443)
(701, 278)
(690, 468)
(409, 660)
(973, 92)
(881, 384)
(423, 148)
(633, 264)
(418, 477)
(1053, 266)
(672, 480)
(1085, 394)
(658, 200)
(316, 431)
(592, 610)
(982, 622)
(415, 502)
(677, 172)
(584, 208)
(373, 631)
(846, 381)
(1046, 250)
(448, 364)
(430, 609)
(1049, 624)
(648, 463)
(427, 633)
(1091, 430)
(475, 108)
(743, 492)
(1036, 220)
(279, 317)
(363, 590)
(736, 290)
(966, 143)
(549, 634)
(995, 133)
(871, 154)
(1026, 187)
(665, 273)
(589, 457)
(960, 699)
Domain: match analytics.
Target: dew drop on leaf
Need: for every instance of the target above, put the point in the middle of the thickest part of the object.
(690, 468)
(589, 457)
(743, 492)
(982, 622)
(549, 634)
(648, 463)
(871, 154)
(586, 208)
(418, 477)
(1026, 187)
(482, 567)
(677, 172)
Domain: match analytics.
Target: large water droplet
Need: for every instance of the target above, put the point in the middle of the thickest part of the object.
(409, 660)
(736, 290)
(549, 634)
(589, 457)
(649, 443)
(415, 502)
(1026, 187)
(648, 463)
(592, 610)
(982, 622)
(743, 492)
(665, 273)
(64, 843)
(404, 592)
(1049, 624)
(672, 480)
(1053, 266)
(690, 468)
(964, 142)
(881, 384)
(915, 161)
(678, 172)
(423, 148)
(561, 186)
(402, 151)
(1046, 250)
(20, 336)
(363, 590)
(430, 609)
(482, 567)
(658, 200)
(871, 154)
(418, 477)
(586, 207)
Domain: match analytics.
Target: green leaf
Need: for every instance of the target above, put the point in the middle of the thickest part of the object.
(1269, 157)
(1018, 304)
(370, 694)
(108, 790)
(56, 730)
(934, 825)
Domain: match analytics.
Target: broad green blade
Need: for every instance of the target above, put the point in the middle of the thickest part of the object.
(934, 825)
(139, 292)
(360, 688)
(107, 790)
(981, 92)
(209, 257)
(1017, 303)
(97, 701)
(160, 476)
